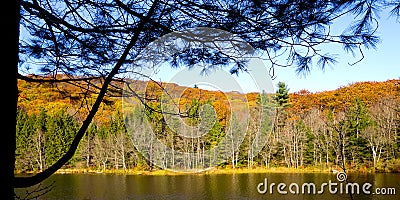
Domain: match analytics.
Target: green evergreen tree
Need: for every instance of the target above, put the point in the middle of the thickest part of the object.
(24, 130)
(61, 129)
(309, 152)
(282, 95)
(216, 134)
(358, 120)
(193, 111)
(281, 99)
(117, 123)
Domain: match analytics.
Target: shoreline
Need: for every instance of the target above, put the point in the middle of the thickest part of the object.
(203, 172)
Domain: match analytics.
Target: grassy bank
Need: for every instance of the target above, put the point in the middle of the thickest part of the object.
(392, 166)
(209, 171)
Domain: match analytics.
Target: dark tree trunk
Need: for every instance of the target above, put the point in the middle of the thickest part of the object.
(9, 65)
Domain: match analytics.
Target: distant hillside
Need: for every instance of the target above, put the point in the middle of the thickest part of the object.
(368, 92)
(36, 96)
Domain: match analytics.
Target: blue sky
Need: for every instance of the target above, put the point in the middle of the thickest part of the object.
(379, 64)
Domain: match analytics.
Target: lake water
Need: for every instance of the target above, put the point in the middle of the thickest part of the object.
(222, 186)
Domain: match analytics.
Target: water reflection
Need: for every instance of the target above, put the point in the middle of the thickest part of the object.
(216, 186)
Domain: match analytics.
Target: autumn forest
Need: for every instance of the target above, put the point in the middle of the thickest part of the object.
(358, 125)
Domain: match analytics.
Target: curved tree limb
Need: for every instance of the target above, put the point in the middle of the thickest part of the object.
(21, 182)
